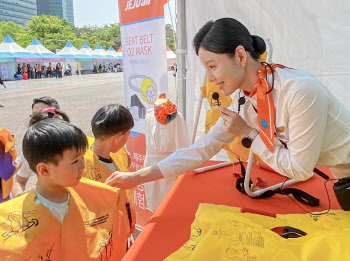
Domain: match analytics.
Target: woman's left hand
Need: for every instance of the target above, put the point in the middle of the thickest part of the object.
(234, 123)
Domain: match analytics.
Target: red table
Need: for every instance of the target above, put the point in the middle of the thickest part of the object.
(170, 226)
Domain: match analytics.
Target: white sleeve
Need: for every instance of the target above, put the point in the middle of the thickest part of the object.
(307, 107)
(25, 171)
(186, 159)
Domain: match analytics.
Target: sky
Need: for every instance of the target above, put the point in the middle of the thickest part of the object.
(101, 12)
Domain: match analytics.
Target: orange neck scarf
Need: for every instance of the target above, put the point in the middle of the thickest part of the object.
(266, 109)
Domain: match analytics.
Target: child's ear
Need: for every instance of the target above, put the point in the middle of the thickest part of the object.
(118, 137)
(43, 170)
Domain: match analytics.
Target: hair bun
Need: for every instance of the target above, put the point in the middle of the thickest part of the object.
(258, 44)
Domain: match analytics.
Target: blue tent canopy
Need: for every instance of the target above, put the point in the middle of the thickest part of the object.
(37, 48)
(9, 48)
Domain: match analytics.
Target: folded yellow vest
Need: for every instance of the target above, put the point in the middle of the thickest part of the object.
(93, 229)
(223, 233)
(95, 170)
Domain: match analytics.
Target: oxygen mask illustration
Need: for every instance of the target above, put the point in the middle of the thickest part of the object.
(147, 88)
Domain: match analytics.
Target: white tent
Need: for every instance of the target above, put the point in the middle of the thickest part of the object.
(308, 35)
(37, 48)
(112, 52)
(120, 52)
(98, 54)
(86, 50)
(69, 53)
(171, 57)
(8, 48)
(86, 66)
(170, 54)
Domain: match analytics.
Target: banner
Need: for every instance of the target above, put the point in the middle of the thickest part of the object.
(4, 71)
(143, 41)
(144, 55)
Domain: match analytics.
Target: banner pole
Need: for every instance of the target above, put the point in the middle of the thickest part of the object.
(181, 55)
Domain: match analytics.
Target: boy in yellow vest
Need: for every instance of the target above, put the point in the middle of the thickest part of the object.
(111, 127)
(63, 218)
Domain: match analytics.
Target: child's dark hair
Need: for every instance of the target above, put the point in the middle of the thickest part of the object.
(110, 120)
(46, 141)
(47, 115)
(49, 101)
(224, 35)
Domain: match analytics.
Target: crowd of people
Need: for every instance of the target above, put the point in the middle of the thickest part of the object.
(27, 71)
(38, 71)
(107, 68)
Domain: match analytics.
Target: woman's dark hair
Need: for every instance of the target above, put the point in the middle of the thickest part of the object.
(47, 115)
(110, 120)
(47, 140)
(49, 101)
(224, 35)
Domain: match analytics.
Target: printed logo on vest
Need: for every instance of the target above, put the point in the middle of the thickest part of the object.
(18, 222)
(106, 246)
(93, 173)
(96, 221)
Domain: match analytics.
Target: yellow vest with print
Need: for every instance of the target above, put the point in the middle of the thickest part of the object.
(223, 233)
(93, 228)
(95, 170)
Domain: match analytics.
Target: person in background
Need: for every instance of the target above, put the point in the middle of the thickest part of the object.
(57, 71)
(24, 68)
(60, 70)
(24, 173)
(19, 69)
(39, 70)
(49, 71)
(2, 82)
(30, 72)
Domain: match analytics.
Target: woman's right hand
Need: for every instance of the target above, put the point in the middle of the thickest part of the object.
(123, 180)
(128, 180)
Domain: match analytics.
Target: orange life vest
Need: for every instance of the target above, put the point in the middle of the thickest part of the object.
(93, 229)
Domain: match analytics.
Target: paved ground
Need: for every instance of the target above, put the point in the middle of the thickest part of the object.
(79, 96)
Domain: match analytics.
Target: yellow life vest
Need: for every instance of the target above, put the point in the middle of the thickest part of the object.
(8, 141)
(235, 149)
(93, 228)
(95, 170)
(223, 233)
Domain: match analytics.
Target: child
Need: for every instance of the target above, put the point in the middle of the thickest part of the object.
(111, 127)
(24, 172)
(63, 218)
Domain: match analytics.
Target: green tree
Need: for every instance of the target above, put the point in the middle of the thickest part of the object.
(12, 29)
(105, 36)
(51, 27)
(169, 34)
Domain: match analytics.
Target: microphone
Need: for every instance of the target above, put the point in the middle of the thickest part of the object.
(215, 96)
(241, 101)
